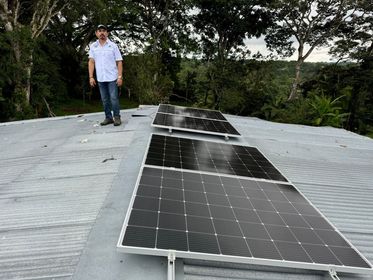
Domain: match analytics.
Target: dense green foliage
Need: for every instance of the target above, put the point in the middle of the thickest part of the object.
(157, 36)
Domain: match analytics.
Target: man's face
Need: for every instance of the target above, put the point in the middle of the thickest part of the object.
(101, 34)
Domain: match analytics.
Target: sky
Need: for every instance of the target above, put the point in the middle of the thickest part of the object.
(318, 55)
(254, 45)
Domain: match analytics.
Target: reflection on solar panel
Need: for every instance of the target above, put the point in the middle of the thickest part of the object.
(195, 120)
(210, 157)
(191, 112)
(232, 219)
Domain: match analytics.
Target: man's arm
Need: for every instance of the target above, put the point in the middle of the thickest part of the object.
(120, 73)
(91, 69)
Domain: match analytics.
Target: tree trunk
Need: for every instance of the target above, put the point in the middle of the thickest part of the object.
(20, 90)
(205, 99)
(28, 68)
(354, 100)
(22, 78)
(223, 51)
(294, 87)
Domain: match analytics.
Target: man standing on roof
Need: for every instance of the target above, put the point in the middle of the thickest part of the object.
(105, 57)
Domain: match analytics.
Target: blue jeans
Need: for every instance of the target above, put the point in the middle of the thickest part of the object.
(109, 97)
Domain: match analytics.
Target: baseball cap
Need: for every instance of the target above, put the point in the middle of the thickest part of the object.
(101, 26)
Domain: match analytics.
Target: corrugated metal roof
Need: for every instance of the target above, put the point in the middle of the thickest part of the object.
(65, 185)
(53, 183)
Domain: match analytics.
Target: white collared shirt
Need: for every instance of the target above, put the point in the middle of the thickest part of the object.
(105, 58)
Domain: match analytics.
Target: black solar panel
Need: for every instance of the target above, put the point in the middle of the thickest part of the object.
(195, 124)
(210, 157)
(229, 218)
(195, 198)
(194, 120)
(191, 112)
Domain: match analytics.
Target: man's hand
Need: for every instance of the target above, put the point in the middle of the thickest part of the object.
(119, 82)
(92, 81)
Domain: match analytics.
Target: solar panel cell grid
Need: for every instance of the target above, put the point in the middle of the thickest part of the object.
(215, 214)
(210, 157)
(195, 124)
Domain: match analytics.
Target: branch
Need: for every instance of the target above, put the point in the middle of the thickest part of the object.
(181, 97)
(370, 49)
(9, 17)
(44, 11)
(50, 112)
(336, 22)
(303, 14)
(166, 14)
(314, 22)
(16, 13)
(309, 11)
(315, 44)
(291, 25)
(4, 11)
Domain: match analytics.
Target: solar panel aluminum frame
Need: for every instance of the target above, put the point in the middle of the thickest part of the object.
(170, 128)
(230, 258)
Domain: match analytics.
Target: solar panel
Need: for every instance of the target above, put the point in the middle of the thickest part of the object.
(208, 156)
(194, 120)
(225, 218)
(185, 123)
(191, 112)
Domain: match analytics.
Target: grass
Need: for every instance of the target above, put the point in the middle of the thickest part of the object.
(79, 106)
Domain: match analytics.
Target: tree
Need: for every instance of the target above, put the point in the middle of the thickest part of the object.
(355, 43)
(158, 28)
(311, 23)
(24, 22)
(355, 38)
(157, 24)
(354, 82)
(223, 26)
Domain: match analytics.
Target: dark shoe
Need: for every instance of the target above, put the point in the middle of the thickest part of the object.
(117, 121)
(107, 121)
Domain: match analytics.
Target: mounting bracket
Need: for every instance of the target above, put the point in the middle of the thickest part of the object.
(171, 265)
(333, 273)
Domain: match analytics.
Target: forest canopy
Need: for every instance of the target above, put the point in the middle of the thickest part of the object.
(195, 52)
